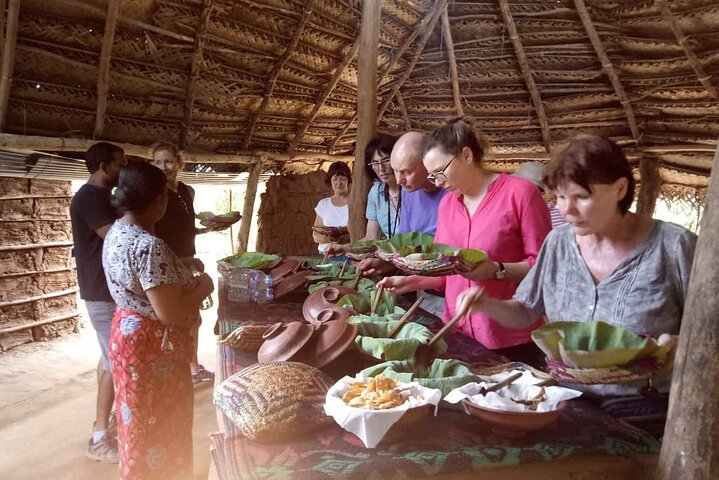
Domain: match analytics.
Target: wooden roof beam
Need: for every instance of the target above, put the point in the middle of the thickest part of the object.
(8, 57)
(349, 56)
(704, 77)
(275, 73)
(103, 74)
(607, 66)
(452, 63)
(428, 23)
(60, 144)
(526, 71)
(195, 67)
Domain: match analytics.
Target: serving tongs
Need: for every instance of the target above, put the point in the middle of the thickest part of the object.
(377, 297)
(424, 354)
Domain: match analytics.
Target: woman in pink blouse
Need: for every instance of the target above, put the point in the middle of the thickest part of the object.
(503, 215)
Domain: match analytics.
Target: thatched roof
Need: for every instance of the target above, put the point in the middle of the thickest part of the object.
(280, 76)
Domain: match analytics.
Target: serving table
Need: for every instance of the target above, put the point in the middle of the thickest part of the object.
(584, 443)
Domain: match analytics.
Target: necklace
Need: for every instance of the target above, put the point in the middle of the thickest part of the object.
(182, 201)
(392, 227)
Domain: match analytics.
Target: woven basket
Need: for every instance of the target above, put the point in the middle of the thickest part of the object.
(275, 401)
(245, 337)
(429, 268)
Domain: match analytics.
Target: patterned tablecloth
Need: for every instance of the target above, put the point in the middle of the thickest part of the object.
(450, 444)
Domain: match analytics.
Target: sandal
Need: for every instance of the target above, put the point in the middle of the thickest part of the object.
(202, 375)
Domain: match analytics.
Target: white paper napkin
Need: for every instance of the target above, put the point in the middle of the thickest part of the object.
(372, 425)
(523, 388)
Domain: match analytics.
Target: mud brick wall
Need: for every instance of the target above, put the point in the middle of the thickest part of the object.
(287, 213)
(38, 285)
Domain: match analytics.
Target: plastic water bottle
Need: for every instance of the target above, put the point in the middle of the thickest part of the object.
(239, 285)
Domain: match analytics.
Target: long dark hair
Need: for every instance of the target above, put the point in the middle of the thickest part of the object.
(139, 185)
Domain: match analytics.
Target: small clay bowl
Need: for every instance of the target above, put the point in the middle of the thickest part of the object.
(512, 424)
(335, 313)
(282, 340)
(322, 299)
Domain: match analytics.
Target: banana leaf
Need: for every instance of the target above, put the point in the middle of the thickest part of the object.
(361, 302)
(444, 374)
(406, 243)
(372, 333)
(254, 260)
(594, 344)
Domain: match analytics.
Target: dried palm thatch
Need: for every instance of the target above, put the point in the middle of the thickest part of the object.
(278, 78)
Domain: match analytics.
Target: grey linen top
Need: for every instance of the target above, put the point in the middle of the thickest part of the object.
(645, 293)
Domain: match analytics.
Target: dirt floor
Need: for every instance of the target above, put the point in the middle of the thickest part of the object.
(47, 405)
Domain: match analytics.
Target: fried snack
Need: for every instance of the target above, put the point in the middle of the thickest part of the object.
(379, 393)
(534, 402)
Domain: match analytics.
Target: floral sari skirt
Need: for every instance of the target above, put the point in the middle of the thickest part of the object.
(153, 397)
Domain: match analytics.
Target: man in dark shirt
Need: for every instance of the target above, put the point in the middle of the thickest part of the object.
(92, 214)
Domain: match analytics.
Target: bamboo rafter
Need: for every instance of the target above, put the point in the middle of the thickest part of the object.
(704, 78)
(196, 66)
(452, 62)
(274, 74)
(403, 109)
(526, 71)
(103, 77)
(349, 56)
(429, 23)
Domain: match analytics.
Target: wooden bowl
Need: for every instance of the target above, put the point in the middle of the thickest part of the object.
(512, 424)
(285, 268)
(411, 417)
(282, 340)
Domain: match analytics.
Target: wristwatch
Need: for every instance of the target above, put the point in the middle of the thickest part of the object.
(501, 271)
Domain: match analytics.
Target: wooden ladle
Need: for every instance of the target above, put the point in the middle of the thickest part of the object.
(424, 354)
(405, 318)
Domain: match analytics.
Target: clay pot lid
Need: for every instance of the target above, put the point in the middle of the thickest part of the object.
(286, 267)
(335, 313)
(323, 299)
(329, 341)
(290, 283)
(282, 340)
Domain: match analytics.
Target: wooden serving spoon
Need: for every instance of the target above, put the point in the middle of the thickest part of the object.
(405, 318)
(377, 297)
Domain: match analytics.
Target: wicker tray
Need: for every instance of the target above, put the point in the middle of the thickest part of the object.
(638, 370)
(442, 264)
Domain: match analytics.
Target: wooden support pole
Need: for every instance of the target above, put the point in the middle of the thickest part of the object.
(526, 72)
(651, 183)
(366, 114)
(195, 68)
(8, 58)
(452, 63)
(103, 74)
(690, 449)
(243, 236)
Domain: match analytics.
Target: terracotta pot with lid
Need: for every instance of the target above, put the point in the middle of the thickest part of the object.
(329, 340)
(323, 299)
(283, 340)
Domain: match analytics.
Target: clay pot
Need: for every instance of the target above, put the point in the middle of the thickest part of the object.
(322, 299)
(512, 424)
(287, 267)
(328, 342)
(288, 284)
(282, 340)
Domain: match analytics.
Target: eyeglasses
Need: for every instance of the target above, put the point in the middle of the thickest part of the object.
(382, 162)
(440, 177)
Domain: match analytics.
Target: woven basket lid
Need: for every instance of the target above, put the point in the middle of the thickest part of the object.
(276, 400)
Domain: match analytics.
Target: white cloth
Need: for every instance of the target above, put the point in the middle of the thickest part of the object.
(331, 216)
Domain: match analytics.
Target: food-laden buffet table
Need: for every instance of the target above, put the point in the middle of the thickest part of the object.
(584, 443)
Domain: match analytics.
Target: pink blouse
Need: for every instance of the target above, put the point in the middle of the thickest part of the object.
(510, 225)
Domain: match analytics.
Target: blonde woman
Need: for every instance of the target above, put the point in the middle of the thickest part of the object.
(177, 228)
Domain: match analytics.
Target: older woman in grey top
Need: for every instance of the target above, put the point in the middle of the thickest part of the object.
(607, 263)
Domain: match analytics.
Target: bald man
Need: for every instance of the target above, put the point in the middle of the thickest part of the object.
(420, 197)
